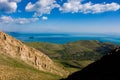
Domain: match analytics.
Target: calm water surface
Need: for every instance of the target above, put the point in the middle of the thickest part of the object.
(64, 38)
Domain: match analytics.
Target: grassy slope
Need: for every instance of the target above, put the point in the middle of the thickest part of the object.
(13, 69)
(80, 50)
(74, 55)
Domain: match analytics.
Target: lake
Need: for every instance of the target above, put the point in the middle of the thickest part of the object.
(60, 38)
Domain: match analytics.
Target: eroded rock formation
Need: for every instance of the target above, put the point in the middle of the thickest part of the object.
(16, 49)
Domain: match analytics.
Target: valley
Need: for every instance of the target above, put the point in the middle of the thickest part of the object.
(47, 61)
(74, 55)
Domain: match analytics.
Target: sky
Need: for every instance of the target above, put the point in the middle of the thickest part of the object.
(60, 16)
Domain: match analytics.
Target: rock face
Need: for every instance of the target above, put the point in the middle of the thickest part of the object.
(16, 49)
(107, 68)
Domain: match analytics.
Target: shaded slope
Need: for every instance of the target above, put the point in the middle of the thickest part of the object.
(107, 68)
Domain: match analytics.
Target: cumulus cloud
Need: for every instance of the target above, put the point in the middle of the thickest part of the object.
(44, 18)
(75, 6)
(8, 6)
(8, 20)
(41, 7)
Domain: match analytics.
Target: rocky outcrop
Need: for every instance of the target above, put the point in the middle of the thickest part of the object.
(107, 68)
(16, 49)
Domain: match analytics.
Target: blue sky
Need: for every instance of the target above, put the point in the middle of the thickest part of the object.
(61, 16)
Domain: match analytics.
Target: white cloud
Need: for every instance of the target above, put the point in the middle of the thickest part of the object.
(25, 20)
(75, 6)
(41, 7)
(44, 18)
(8, 20)
(8, 6)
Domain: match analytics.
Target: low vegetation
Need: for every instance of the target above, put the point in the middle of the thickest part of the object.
(14, 69)
(74, 55)
(80, 50)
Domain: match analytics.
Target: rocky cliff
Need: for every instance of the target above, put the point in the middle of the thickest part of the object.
(16, 49)
(107, 68)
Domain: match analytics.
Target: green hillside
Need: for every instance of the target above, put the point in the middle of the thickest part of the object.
(80, 50)
(74, 55)
(14, 69)
(71, 56)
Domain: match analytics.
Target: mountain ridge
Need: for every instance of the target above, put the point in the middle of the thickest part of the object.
(16, 49)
